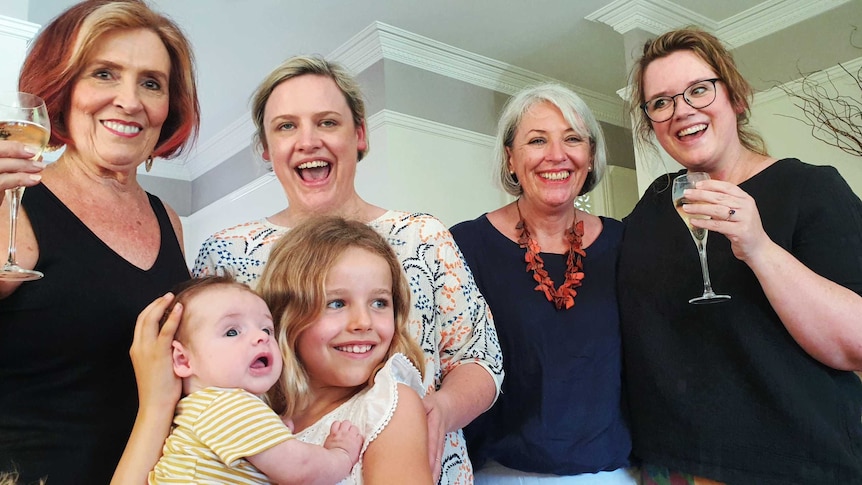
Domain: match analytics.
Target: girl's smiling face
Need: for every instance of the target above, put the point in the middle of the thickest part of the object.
(353, 334)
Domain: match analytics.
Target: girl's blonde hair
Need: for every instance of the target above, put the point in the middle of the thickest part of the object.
(293, 285)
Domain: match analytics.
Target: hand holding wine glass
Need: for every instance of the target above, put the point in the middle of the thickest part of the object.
(680, 184)
(24, 119)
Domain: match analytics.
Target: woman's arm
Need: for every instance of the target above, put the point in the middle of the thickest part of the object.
(159, 390)
(399, 454)
(467, 391)
(821, 315)
(469, 351)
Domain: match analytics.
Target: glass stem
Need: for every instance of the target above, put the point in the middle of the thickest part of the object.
(14, 196)
(704, 268)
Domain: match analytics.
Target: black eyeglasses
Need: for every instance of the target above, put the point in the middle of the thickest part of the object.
(699, 95)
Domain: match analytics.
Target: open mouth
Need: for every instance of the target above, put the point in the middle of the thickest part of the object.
(315, 170)
(691, 130)
(261, 362)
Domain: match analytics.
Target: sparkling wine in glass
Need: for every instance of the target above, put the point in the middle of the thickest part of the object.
(688, 181)
(23, 118)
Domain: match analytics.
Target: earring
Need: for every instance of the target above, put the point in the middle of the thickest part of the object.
(514, 178)
(590, 168)
(148, 165)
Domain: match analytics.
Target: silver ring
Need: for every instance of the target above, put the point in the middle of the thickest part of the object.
(730, 214)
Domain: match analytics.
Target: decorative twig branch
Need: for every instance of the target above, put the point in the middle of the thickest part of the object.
(834, 118)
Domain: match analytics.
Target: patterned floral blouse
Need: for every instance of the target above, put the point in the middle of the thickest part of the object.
(449, 317)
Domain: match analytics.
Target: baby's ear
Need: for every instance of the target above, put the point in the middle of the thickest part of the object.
(182, 363)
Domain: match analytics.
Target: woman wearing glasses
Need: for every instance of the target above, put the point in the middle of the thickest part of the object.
(758, 388)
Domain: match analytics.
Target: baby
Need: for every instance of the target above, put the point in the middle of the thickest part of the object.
(226, 354)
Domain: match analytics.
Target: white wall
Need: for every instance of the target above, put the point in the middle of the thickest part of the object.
(14, 36)
(773, 116)
(414, 165)
(617, 194)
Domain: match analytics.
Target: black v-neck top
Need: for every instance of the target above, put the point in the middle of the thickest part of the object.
(67, 389)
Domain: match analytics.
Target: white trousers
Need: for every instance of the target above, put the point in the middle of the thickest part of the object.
(494, 473)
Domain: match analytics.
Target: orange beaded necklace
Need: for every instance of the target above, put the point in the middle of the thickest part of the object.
(564, 296)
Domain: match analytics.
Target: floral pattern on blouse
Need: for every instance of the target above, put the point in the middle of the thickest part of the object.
(449, 317)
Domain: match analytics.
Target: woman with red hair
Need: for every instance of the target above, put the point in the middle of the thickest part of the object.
(118, 81)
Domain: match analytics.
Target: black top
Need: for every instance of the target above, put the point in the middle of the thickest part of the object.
(559, 410)
(67, 390)
(722, 390)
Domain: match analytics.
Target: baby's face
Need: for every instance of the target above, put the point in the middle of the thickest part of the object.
(230, 341)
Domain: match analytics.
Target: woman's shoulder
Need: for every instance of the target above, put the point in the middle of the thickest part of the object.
(409, 230)
(250, 229)
(408, 219)
(610, 224)
(787, 171)
(470, 226)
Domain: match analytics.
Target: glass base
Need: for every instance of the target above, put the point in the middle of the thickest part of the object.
(11, 272)
(705, 299)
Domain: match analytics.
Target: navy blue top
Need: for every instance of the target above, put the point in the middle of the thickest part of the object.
(560, 408)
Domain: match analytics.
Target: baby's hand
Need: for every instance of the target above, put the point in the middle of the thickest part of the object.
(345, 436)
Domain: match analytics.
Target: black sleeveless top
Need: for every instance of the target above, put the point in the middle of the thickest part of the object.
(67, 389)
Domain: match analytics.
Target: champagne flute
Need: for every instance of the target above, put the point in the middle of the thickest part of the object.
(688, 181)
(23, 118)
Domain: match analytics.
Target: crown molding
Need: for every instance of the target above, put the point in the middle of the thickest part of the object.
(653, 16)
(386, 118)
(824, 76)
(381, 41)
(770, 17)
(226, 143)
(659, 16)
(18, 29)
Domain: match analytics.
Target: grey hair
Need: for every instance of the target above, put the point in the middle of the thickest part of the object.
(575, 111)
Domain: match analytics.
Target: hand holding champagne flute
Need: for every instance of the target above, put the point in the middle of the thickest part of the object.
(23, 118)
(680, 184)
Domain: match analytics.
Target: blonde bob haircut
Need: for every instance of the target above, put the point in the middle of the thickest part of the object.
(293, 285)
(301, 66)
(575, 112)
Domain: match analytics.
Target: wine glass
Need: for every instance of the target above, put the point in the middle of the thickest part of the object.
(23, 118)
(688, 181)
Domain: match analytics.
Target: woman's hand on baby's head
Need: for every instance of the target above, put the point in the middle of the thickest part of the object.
(158, 386)
(345, 436)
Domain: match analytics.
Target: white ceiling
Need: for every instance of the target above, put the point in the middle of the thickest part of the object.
(237, 42)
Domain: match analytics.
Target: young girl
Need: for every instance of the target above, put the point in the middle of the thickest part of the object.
(226, 355)
(339, 302)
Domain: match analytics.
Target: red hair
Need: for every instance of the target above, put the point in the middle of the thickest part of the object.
(62, 49)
